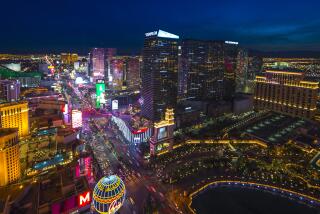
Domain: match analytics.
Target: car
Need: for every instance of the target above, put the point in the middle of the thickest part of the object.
(131, 200)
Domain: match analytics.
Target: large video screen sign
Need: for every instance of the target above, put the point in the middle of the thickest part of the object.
(100, 92)
(163, 133)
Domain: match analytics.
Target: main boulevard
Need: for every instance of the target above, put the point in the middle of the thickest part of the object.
(117, 156)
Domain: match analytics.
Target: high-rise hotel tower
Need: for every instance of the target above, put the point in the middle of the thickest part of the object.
(286, 92)
(159, 74)
(15, 115)
(9, 156)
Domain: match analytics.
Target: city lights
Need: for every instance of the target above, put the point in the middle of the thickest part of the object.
(76, 119)
(219, 112)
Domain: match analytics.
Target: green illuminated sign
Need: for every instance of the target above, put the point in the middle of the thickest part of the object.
(100, 92)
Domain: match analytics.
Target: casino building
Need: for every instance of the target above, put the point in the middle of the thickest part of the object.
(109, 195)
(286, 92)
(131, 134)
(15, 115)
(9, 156)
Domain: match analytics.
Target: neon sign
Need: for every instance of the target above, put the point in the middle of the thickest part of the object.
(231, 42)
(114, 206)
(100, 92)
(165, 34)
(162, 34)
(139, 131)
(84, 199)
(153, 33)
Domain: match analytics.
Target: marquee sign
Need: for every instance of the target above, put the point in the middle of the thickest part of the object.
(115, 206)
(153, 33)
(231, 42)
(84, 199)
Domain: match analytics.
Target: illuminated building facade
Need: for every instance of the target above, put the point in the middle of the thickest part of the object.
(118, 66)
(9, 90)
(159, 74)
(132, 74)
(26, 79)
(97, 63)
(132, 135)
(81, 66)
(286, 92)
(9, 156)
(109, 195)
(15, 115)
(163, 133)
(254, 68)
(68, 58)
(202, 68)
(241, 73)
(231, 66)
(76, 119)
(100, 63)
(110, 54)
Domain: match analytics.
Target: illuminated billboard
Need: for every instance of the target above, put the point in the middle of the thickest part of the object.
(84, 199)
(100, 92)
(76, 119)
(142, 130)
(65, 108)
(162, 133)
(115, 104)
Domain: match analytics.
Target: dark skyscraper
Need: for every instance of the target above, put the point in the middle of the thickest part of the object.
(254, 68)
(211, 70)
(202, 64)
(231, 52)
(242, 70)
(159, 74)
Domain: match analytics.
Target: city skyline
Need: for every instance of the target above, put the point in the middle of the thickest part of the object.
(170, 107)
(77, 26)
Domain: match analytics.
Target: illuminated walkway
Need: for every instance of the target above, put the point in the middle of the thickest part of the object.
(216, 142)
(264, 187)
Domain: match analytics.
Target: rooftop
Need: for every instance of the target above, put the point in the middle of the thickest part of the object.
(6, 131)
(8, 73)
(6, 104)
(162, 34)
(274, 128)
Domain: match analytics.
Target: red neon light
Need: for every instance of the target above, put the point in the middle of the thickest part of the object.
(139, 131)
(84, 199)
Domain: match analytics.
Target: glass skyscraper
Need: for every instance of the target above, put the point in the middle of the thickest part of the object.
(211, 70)
(100, 61)
(97, 63)
(159, 74)
(202, 67)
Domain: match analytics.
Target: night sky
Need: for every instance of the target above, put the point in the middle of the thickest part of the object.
(70, 25)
